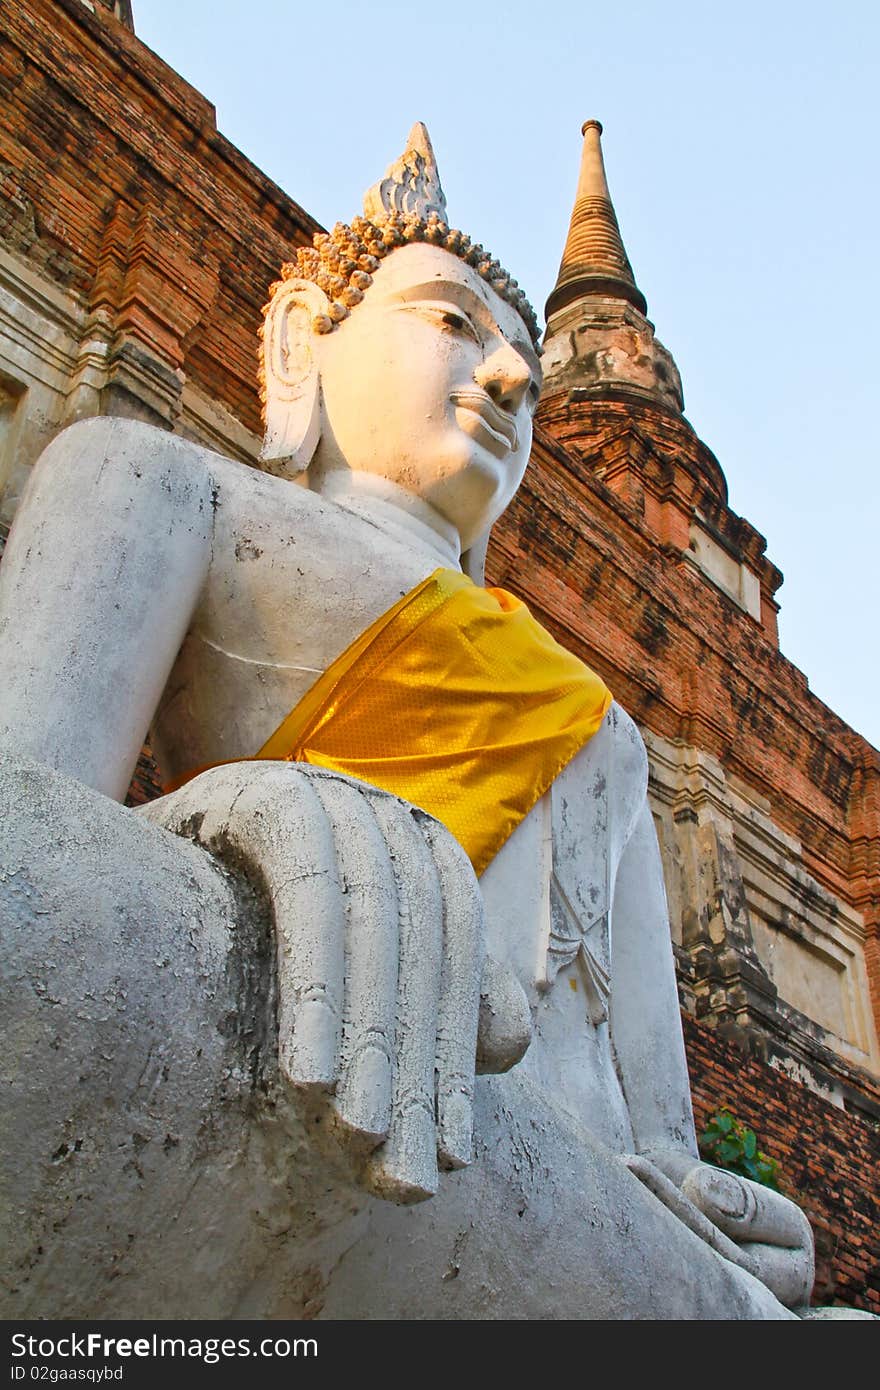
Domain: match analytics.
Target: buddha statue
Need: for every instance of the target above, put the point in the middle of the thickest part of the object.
(373, 1014)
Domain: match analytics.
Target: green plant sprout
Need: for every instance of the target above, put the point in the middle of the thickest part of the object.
(728, 1143)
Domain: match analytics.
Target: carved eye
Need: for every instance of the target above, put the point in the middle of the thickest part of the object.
(443, 313)
(458, 323)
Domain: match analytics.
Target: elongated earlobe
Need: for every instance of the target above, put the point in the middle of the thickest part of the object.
(291, 381)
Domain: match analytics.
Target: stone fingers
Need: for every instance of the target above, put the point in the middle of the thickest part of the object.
(367, 892)
(270, 821)
(751, 1225)
(380, 948)
(746, 1211)
(405, 1167)
(788, 1273)
(773, 1235)
(458, 1013)
(303, 884)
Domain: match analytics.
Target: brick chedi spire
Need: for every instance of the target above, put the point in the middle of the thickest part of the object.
(612, 397)
(598, 337)
(594, 261)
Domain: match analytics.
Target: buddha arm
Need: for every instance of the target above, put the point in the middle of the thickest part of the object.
(103, 569)
(103, 572)
(645, 1018)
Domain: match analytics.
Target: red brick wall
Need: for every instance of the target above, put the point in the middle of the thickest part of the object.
(146, 784)
(115, 183)
(829, 1158)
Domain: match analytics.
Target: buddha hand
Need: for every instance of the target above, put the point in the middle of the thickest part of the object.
(749, 1224)
(379, 932)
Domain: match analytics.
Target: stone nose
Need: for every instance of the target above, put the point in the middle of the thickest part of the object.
(505, 376)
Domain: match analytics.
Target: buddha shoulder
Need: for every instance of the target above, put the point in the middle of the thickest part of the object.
(130, 464)
(111, 461)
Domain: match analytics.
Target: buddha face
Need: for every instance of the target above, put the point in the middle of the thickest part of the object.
(430, 384)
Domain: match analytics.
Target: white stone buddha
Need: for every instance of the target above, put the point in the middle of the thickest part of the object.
(248, 1046)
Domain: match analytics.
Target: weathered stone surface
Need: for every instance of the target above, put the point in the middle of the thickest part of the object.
(154, 1160)
(378, 973)
(94, 122)
(601, 344)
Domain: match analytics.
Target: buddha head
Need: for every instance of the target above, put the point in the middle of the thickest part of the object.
(399, 353)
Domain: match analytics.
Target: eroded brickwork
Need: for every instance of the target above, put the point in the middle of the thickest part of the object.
(146, 784)
(117, 186)
(828, 1157)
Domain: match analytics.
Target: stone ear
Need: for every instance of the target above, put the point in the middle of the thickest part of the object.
(291, 378)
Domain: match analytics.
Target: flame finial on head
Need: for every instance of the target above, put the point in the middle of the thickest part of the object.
(407, 205)
(411, 184)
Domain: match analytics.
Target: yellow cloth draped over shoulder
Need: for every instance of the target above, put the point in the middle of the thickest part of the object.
(455, 699)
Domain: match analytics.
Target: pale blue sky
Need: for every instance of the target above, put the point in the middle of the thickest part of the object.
(741, 148)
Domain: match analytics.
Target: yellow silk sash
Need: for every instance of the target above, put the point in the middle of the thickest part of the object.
(455, 699)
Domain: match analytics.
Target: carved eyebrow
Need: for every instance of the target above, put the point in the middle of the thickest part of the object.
(438, 289)
(463, 294)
